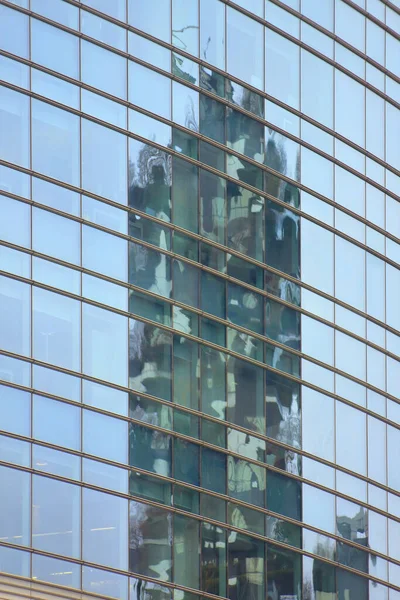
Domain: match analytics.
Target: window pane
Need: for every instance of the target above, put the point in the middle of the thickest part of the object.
(57, 10)
(15, 221)
(116, 9)
(351, 449)
(150, 533)
(56, 331)
(150, 449)
(104, 161)
(55, 142)
(112, 261)
(15, 562)
(349, 115)
(282, 68)
(245, 59)
(186, 551)
(56, 571)
(105, 341)
(153, 17)
(14, 28)
(55, 49)
(112, 35)
(105, 535)
(56, 524)
(15, 316)
(15, 506)
(317, 408)
(56, 236)
(103, 69)
(105, 436)
(350, 273)
(56, 422)
(246, 567)
(212, 32)
(213, 559)
(317, 260)
(15, 409)
(317, 88)
(14, 125)
(284, 572)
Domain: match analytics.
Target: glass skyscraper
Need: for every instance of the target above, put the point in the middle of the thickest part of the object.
(200, 299)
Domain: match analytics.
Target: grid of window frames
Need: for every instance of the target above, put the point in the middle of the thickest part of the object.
(199, 265)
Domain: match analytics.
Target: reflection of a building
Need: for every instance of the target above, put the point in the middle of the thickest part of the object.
(230, 388)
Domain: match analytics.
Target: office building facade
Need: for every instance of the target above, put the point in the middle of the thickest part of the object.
(199, 298)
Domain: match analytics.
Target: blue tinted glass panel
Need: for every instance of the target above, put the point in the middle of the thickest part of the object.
(56, 329)
(153, 16)
(56, 518)
(14, 181)
(56, 422)
(55, 196)
(57, 383)
(14, 72)
(59, 572)
(56, 275)
(57, 10)
(56, 236)
(212, 32)
(185, 25)
(104, 161)
(56, 462)
(15, 316)
(116, 8)
(105, 436)
(245, 59)
(282, 68)
(103, 69)
(15, 221)
(103, 30)
(149, 51)
(55, 48)
(15, 562)
(105, 345)
(105, 532)
(150, 90)
(55, 88)
(15, 506)
(14, 28)
(112, 261)
(14, 126)
(15, 410)
(55, 142)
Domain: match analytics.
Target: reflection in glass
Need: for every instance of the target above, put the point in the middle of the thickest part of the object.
(186, 551)
(245, 567)
(150, 359)
(150, 540)
(283, 416)
(283, 573)
(149, 449)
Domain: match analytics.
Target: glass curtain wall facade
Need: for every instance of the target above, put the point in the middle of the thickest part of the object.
(199, 297)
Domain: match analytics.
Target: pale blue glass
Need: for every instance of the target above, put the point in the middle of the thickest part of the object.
(105, 344)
